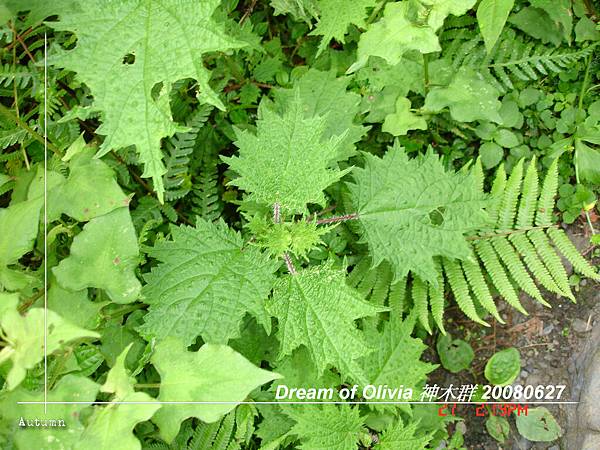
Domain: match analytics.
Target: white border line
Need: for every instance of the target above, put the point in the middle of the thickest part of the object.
(45, 224)
(296, 403)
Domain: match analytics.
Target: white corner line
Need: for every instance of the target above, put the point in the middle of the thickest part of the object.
(45, 223)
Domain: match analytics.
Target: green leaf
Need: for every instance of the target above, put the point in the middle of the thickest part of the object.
(24, 217)
(104, 255)
(503, 367)
(455, 355)
(403, 119)
(392, 36)
(324, 95)
(336, 16)
(585, 30)
(123, 56)
(537, 23)
(299, 9)
(505, 138)
(491, 17)
(396, 360)
(90, 190)
(560, 12)
(327, 427)
(587, 160)
(498, 428)
(69, 388)
(412, 210)
(286, 161)
(215, 373)
(469, 97)
(206, 282)
(400, 436)
(24, 336)
(538, 425)
(112, 426)
(317, 309)
(491, 154)
(74, 306)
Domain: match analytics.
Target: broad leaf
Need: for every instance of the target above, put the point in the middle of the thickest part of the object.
(316, 308)
(24, 217)
(286, 161)
(491, 17)
(327, 427)
(412, 210)
(469, 97)
(24, 336)
(69, 388)
(215, 373)
(335, 17)
(103, 255)
(403, 120)
(206, 282)
(112, 426)
(124, 56)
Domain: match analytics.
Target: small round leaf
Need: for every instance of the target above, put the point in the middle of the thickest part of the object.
(504, 367)
(455, 355)
(538, 425)
(498, 428)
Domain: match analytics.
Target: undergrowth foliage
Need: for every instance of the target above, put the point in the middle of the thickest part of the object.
(249, 196)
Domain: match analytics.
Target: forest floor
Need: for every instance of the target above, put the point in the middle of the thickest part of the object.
(558, 346)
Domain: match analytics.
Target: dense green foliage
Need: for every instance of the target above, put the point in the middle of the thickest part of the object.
(248, 194)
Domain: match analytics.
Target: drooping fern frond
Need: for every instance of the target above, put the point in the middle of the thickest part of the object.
(511, 59)
(521, 251)
(177, 179)
(10, 74)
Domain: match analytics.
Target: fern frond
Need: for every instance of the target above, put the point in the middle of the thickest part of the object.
(510, 197)
(224, 436)
(545, 205)
(479, 287)
(396, 298)
(21, 76)
(12, 137)
(436, 299)
(420, 302)
(177, 179)
(460, 288)
(497, 274)
(205, 192)
(203, 436)
(529, 197)
(551, 260)
(568, 250)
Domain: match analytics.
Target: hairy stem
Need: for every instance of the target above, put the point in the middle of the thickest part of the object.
(337, 219)
(276, 212)
(289, 264)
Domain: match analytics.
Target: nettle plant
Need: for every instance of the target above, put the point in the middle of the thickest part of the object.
(271, 237)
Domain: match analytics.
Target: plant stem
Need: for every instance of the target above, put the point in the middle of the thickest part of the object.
(337, 219)
(426, 73)
(375, 12)
(276, 212)
(6, 113)
(289, 264)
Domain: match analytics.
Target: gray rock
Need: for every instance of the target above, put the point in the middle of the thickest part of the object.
(581, 326)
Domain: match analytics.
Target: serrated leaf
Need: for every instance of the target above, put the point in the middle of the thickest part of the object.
(403, 120)
(206, 282)
(69, 388)
(336, 16)
(215, 373)
(400, 436)
(103, 255)
(286, 161)
(396, 361)
(123, 56)
(491, 17)
(324, 95)
(412, 210)
(24, 336)
(317, 309)
(469, 97)
(327, 427)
